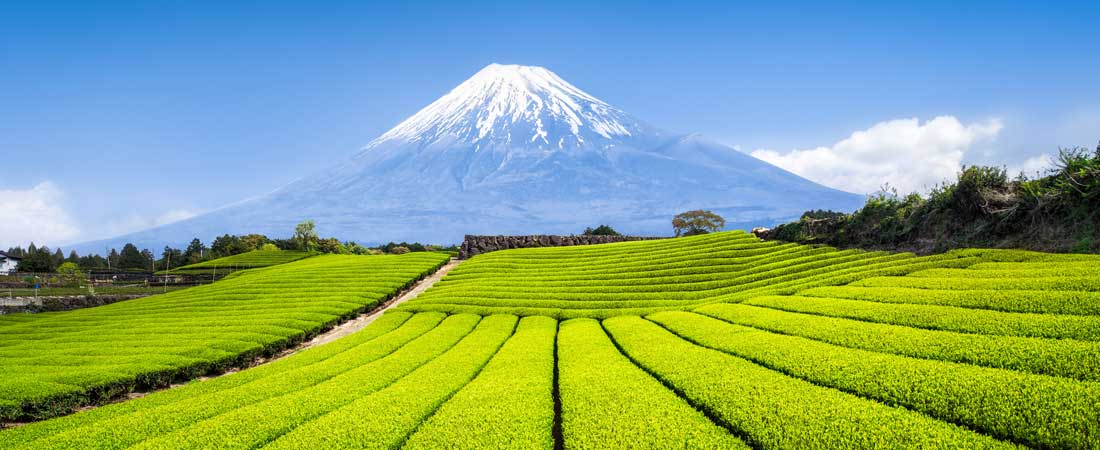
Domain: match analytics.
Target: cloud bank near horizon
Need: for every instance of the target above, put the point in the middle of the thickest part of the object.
(39, 215)
(904, 153)
(35, 215)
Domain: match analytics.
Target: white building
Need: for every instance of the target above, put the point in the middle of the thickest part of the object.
(8, 263)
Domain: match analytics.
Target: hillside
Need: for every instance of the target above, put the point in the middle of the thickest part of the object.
(715, 341)
(54, 362)
(648, 276)
(515, 150)
(1057, 211)
(248, 260)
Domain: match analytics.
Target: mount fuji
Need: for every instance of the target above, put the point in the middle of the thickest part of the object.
(515, 150)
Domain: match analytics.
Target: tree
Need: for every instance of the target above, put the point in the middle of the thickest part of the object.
(131, 258)
(305, 236)
(112, 259)
(400, 250)
(356, 249)
(150, 260)
(170, 257)
(70, 273)
(332, 245)
(413, 247)
(251, 242)
(73, 257)
(226, 245)
(37, 259)
(58, 257)
(602, 230)
(269, 247)
(194, 252)
(93, 262)
(285, 244)
(697, 222)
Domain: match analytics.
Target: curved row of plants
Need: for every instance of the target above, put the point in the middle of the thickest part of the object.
(55, 362)
(647, 276)
(248, 260)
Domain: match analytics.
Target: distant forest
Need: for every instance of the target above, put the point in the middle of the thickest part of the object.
(43, 259)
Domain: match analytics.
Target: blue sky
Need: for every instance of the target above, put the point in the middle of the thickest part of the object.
(119, 115)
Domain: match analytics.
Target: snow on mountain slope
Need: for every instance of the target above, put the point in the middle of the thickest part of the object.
(516, 106)
(515, 150)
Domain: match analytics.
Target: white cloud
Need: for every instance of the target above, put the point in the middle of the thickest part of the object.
(1032, 167)
(904, 153)
(38, 215)
(134, 222)
(174, 215)
(35, 214)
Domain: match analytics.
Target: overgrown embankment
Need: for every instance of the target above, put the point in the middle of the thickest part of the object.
(1056, 212)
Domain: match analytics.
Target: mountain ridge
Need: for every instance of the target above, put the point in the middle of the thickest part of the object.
(515, 150)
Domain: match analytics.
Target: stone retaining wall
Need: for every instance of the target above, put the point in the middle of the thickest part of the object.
(476, 245)
(58, 303)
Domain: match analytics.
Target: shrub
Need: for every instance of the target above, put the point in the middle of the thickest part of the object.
(602, 230)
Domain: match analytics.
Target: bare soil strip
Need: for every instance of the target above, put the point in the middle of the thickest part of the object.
(362, 321)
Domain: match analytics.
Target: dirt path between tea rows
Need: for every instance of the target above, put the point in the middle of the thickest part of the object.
(362, 321)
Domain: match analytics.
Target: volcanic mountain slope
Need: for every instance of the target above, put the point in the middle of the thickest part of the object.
(516, 149)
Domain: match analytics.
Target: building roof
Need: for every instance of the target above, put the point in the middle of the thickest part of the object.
(5, 255)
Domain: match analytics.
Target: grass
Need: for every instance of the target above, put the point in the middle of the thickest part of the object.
(717, 341)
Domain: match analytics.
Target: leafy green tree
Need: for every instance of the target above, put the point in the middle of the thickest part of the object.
(332, 245)
(413, 247)
(697, 222)
(170, 257)
(269, 247)
(251, 242)
(58, 257)
(602, 230)
(131, 258)
(70, 273)
(90, 262)
(356, 249)
(112, 259)
(73, 257)
(37, 259)
(227, 245)
(194, 253)
(150, 259)
(305, 236)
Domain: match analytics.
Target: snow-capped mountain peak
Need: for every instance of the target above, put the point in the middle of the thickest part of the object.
(515, 150)
(516, 107)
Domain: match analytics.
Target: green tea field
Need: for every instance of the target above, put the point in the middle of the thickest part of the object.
(248, 260)
(712, 341)
(53, 362)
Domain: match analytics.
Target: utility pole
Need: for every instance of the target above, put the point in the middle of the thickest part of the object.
(167, 265)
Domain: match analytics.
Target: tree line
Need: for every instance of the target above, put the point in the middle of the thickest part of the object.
(305, 238)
